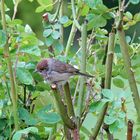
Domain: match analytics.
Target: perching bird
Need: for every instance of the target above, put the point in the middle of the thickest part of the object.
(55, 71)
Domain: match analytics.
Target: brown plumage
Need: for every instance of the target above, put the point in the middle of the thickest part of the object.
(55, 71)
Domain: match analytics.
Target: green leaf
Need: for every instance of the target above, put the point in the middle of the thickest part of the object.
(96, 106)
(49, 41)
(118, 82)
(3, 38)
(24, 115)
(64, 19)
(40, 9)
(93, 3)
(137, 17)
(68, 23)
(58, 47)
(134, 1)
(47, 3)
(129, 15)
(47, 116)
(24, 76)
(28, 29)
(113, 127)
(32, 50)
(85, 10)
(109, 120)
(15, 22)
(48, 130)
(96, 21)
(57, 26)
(55, 34)
(47, 32)
(108, 94)
(19, 134)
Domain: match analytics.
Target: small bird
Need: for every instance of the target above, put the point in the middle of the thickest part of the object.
(55, 71)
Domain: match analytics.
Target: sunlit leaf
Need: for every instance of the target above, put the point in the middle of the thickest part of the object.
(48, 4)
(40, 9)
(85, 10)
(118, 82)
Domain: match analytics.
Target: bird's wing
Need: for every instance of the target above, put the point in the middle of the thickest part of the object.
(62, 67)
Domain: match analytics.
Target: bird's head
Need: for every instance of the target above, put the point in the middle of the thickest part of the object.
(42, 66)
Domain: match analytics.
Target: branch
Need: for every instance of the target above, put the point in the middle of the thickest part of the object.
(13, 93)
(57, 11)
(69, 100)
(62, 29)
(62, 109)
(127, 63)
(74, 15)
(83, 69)
(130, 130)
(15, 9)
(72, 34)
(108, 75)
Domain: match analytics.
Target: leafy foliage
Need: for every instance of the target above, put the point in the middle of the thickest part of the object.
(37, 111)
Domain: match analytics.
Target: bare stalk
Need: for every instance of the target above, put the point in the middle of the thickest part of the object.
(108, 76)
(127, 62)
(62, 110)
(13, 93)
(74, 15)
(83, 69)
(69, 100)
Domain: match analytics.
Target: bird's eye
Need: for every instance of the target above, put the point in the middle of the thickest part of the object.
(41, 69)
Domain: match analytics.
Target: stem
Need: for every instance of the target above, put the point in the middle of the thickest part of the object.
(83, 69)
(57, 11)
(68, 100)
(70, 39)
(130, 130)
(127, 63)
(12, 80)
(15, 8)
(67, 133)
(72, 33)
(74, 15)
(24, 89)
(62, 29)
(109, 60)
(62, 109)
(108, 75)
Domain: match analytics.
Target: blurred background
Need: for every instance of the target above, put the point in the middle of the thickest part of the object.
(26, 12)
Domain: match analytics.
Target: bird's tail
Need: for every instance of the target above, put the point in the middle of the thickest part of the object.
(84, 74)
